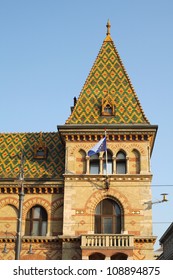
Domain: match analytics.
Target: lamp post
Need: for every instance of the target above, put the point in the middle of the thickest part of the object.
(19, 220)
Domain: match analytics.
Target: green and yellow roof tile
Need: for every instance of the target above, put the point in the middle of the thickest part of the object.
(108, 77)
(50, 167)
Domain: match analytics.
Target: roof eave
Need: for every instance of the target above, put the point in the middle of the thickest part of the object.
(114, 128)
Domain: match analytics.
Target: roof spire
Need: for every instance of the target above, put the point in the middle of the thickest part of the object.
(108, 25)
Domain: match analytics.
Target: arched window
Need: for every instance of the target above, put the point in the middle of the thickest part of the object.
(94, 164)
(121, 163)
(108, 217)
(108, 163)
(36, 221)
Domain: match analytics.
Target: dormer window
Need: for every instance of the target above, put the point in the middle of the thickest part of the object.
(40, 149)
(108, 106)
(40, 152)
(108, 109)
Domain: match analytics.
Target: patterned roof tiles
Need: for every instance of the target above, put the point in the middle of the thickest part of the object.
(11, 145)
(108, 77)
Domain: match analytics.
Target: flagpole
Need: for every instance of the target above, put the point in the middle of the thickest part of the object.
(106, 156)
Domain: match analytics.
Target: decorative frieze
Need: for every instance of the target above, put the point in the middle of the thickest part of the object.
(112, 177)
(82, 137)
(31, 189)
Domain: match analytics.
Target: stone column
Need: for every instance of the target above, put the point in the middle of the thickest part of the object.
(114, 164)
(127, 165)
(87, 164)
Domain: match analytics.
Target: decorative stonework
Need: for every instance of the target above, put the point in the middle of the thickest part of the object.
(9, 200)
(92, 179)
(137, 255)
(56, 204)
(33, 201)
(100, 195)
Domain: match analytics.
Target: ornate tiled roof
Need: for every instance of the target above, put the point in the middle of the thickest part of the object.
(50, 167)
(108, 79)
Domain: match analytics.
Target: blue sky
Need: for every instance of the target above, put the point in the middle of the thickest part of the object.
(47, 48)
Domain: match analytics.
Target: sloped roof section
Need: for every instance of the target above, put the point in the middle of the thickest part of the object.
(11, 144)
(108, 77)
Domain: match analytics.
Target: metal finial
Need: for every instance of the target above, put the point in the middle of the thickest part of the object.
(41, 138)
(108, 25)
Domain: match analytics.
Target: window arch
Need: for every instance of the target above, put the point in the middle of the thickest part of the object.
(36, 221)
(109, 163)
(94, 164)
(108, 217)
(121, 166)
(97, 256)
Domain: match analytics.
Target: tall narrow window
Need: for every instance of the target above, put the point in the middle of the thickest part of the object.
(36, 221)
(121, 163)
(108, 217)
(135, 160)
(107, 164)
(94, 164)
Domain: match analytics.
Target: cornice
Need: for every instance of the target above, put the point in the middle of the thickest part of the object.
(145, 239)
(34, 188)
(108, 127)
(120, 132)
(30, 239)
(68, 238)
(112, 177)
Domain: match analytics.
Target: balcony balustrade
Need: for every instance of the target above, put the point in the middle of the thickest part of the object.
(107, 240)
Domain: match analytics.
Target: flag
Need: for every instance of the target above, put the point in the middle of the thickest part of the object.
(99, 147)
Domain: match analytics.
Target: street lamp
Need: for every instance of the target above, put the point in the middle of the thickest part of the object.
(21, 198)
(164, 199)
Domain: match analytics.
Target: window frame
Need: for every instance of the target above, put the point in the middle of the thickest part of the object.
(115, 218)
(94, 163)
(40, 222)
(121, 163)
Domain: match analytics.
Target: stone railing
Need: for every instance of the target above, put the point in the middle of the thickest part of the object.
(106, 240)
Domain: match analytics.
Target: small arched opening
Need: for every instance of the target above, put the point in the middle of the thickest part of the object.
(97, 256)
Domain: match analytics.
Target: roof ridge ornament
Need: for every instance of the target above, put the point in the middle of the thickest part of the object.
(108, 25)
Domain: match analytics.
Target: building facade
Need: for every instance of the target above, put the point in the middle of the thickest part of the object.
(77, 206)
(166, 242)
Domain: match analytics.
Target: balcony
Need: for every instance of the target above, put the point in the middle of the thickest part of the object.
(92, 241)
